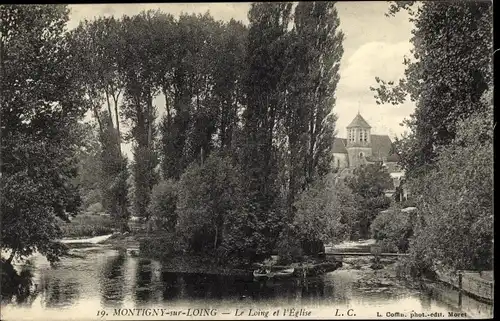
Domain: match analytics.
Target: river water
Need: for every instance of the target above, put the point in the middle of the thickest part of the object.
(99, 280)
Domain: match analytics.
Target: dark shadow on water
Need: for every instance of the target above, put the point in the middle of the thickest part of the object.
(112, 280)
(143, 291)
(57, 292)
(16, 287)
(224, 287)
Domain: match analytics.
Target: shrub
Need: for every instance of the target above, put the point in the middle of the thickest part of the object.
(392, 229)
(161, 246)
(95, 208)
(163, 205)
(208, 195)
(289, 249)
(88, 225)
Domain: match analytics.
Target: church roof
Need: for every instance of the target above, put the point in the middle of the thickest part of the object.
(359, 121)
(381, 145)
(339, 145)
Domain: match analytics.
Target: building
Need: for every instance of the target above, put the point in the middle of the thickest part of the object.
(361, 147)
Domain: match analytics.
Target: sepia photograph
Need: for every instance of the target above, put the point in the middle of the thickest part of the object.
(247, 161)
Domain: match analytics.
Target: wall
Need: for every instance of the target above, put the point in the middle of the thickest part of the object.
(354, 158)
(340, 160)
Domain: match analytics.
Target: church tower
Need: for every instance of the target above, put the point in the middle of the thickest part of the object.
(358, 141)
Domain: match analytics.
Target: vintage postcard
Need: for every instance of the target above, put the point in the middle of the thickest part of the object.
(247, 161)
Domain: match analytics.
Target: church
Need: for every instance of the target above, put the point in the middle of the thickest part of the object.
(361, 147)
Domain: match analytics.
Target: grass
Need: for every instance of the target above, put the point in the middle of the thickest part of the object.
(86, 225)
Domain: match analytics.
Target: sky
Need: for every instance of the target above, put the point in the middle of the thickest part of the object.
(374, 45)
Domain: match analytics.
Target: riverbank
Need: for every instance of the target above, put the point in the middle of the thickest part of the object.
(129, 243)
(384, 279)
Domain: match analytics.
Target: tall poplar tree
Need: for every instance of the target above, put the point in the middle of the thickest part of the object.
(267, 44)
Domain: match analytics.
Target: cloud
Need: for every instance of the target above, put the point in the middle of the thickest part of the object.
(370, 60)
(374, 45)
(358, 73)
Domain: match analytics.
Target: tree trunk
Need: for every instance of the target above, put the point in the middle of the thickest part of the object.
(115, 100)
(11, 257)
(150, 119)
(96, 115)
(109, 109)
(216, 236)
(167, 108)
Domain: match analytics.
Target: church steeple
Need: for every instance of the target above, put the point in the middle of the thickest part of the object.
(358, 132)
(359, 122)
(358, 141)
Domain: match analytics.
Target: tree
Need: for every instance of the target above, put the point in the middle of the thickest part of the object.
(324, 211)
(96, 45)
(447, 77)
(89, 175)
(447, 154)
(164, 203)
(458, 195)
(140, 89)
(203, 86)
(267, 45)
(42, 100)
(368, 183)
(309, 84)
(208, 194)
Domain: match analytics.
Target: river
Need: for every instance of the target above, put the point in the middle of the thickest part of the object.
(98, 277)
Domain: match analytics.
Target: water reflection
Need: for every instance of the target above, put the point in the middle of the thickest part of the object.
(17, 287)
(109, 279)
(58, 292)
(112, 280)
(171, 285)
(143, 281)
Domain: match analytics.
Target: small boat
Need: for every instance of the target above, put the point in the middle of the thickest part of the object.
(260, 274)
(282, 274)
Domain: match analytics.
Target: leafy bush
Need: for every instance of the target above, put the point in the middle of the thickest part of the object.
(95, 208)
(163, 205)
(368, 184)
(392, 229)
(161, 246)
(324, 211)
(289, 249)
(455, 229)
(208, 195)
(88, 225)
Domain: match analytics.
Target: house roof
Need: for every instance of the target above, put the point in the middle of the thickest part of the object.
(359, 121)
(339, 145)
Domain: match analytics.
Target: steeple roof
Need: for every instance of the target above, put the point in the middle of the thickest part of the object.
(359, 121)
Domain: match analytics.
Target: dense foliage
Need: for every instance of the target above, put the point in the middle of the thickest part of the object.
(41, 102)
(456, 199)
(246, 133)
(392, 229)
(368, 183)
(208, 194)
(164, 204)
(448, 153)
(450, 71)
